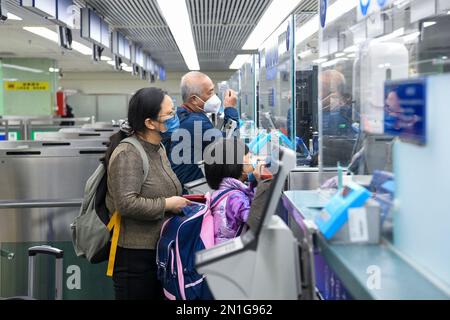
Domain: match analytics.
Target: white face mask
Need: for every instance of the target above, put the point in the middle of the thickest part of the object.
(213, 105)
(334, 103)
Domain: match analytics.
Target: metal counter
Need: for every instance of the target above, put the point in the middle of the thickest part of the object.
(41, 191)
(79, 143)
(305, 178)
(353, 264)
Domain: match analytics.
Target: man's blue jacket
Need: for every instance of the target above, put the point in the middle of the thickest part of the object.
(194, 125)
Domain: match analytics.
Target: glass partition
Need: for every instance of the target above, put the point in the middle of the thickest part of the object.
(235, 84)
(337, 83)
(362, 45)
(306, 84)
(248, 99)
(276, 85)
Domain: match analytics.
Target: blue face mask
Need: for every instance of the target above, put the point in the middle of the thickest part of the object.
(172, 125)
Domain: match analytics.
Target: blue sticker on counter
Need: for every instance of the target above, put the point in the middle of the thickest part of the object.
(364, 4)
(323, 12)
(405, 110)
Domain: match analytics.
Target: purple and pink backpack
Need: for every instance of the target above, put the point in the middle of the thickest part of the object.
(181, 237)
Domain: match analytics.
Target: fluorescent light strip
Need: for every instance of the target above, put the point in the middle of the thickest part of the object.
(304, 54)
(351, 49)
(13, 17)
(401, 3)
(334, 12)
(81, 48)
(176, 15)
(397, 33)
(21, 68)
(43, 32)
(333, 62)
(272, 18)
(427, 24)
(319, 61)
(53, 36)
(239, 61)
(411, 37)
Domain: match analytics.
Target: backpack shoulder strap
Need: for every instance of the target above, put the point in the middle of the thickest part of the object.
(135, 142)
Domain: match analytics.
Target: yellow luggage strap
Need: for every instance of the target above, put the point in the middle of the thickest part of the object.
(114, 223)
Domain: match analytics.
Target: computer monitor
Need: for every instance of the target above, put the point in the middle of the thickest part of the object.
(282, 167)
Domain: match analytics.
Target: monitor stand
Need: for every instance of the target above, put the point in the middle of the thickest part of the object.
(271, 272)
(262, 264)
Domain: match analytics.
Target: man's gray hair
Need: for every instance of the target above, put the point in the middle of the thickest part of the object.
(190, 85)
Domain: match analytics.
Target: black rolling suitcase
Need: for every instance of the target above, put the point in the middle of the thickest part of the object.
(49, 251)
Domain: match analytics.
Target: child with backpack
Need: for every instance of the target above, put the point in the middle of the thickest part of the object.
(220, 218)
(228, 166)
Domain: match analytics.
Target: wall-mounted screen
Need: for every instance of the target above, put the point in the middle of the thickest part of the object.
(127, 49)
(121, 40)
(150, 66)
(94, 28)
(120, 45)
(162, 74)
(106, 42)
(65, 13)
(140, 57)
(45, 8)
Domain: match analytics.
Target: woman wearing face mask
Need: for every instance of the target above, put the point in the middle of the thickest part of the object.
(143, 207)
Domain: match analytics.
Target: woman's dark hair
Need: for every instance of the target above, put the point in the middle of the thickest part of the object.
(223, 159)
(145, 104)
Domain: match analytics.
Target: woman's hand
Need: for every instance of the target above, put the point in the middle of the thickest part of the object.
(176, 204)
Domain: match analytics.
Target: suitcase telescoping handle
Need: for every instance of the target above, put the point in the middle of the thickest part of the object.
(46, 250)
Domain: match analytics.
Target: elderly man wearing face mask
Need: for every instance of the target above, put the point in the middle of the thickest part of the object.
(339, 134)
(337, 111)
(199, 99)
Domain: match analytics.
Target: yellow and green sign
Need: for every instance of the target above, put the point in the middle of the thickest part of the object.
(26, 86)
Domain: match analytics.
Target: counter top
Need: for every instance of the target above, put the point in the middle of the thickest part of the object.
(355, 264)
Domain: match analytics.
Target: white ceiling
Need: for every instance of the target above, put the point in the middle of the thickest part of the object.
(220, 29)
(18, 43)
